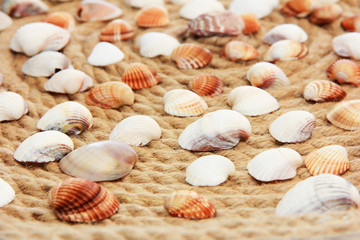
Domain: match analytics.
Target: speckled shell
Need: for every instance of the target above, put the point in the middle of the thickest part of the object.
(139, 75)
(195, 8)
(326, 14)
(344, 71)
(97, 10)
(7, 193)
(206, 85)
(285, 31)
(286, 50)
(345, 115)
(191, 56)
(261, 8)
(105, 53)
(23, 8)
(152, 17)
(154, 44)
(12, 106)
(238, 50)
(346, 45)
(267, 75)
(299, 8)
(117, 30)
(251, 22)
(62, 19)
(351, 24)
(5, 21)
(323, 91)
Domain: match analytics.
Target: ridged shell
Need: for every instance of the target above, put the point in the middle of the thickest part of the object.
(97, 10)
(139, 75)
(299, 8)
(117, 30)
(144, 3)
(323, 91)
(136, 130)
(261, 8)
(105, 53)
(152, 17)
(326, 14)
(189, 204)
(285, 31)
(153, 44)
(100, 161)
(275, 164)
(23, 8)
(351, 24)
(5, 21)
(252, 101)
(206, 85)
(344, 71)
(267, 75)
(222, 129)
(345, 115)
(80, 200)
(209, 170)
(319, 194)
(191, 56)
(252, 23)
(194, 8)
(12, 106)
(238, 51)
(7, 193)
(347, 45)
(286, 50)
(62, 19)
(43, 147)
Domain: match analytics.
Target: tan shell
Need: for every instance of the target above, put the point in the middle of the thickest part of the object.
(62, 19)
(97, 10)
(299, 8)
(23, 8)
(345, 115)
(323, 91)
(326, 14)
(238, 50)
(286, 50)
(267, 75)
(117, 30)
(344, 71)
(252, 23)
(206, 85)
(351, 24)
(139, 75)
(190, 56)
(156, 16)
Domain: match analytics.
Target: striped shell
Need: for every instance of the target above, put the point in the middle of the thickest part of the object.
(345, 115)
(117, 30)
(152, 17)
(23, 8)
(191, 56)
(97, 10)
(299, 8)
(326, 14)
(62, 19)
(351, 24)
(104, 54)
(346, 45)
(238, 50)
(206, 85)
(195, 8)
(323, 91)
(286, 50)
(267, 75)
(344, 71)
(251, 22)
(139, 75)
(7, 193)
(285, 31)
(12, 106)
(153, 44)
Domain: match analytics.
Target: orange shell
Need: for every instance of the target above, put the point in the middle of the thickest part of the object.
(252, 23)
(298, 8)
(152, 17)
(61, 19)
(344, 71)
(345, 115)
(351, 24)
(323, 91)
(207, 85)
(188, 56)
(139, 75)
(238, 50)
(326, 14)
(117, 30)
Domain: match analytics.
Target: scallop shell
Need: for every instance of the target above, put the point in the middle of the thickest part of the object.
(351, 24)
(12, 106)
(346, 45)
(323, 91)
(326, 14)
(7, 193)
(206, 85)
(80, 200)
(137, 130)
(183, 103)
(117, 30)
(100, 161)
(189, 204)
(153, 44)
(139, 75)
(261, 8)
(110, 95)
(293, 127)
(286, 50)
(345, 115)
(62, 19)
(299, 8)
(144, 3)
(275, 164)
(252, 101)
(105, 53)
(222, 129)
(23, 8)
(191, 56)
(152, 17)
(238, 50)
(267, 75)
(43, 147)
(5, 21)
(252, 23)
(194, 8)
(319, 194)
(209, 170)
(97, 10)
(344, 71)
(283, 32)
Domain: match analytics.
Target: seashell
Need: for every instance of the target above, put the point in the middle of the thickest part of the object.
(209, 170)
(293, 127)
(183, 103)
(110, 95)
(319, 194)
(345, 115)
(191, 56)
(144, 3)
(105, 53)
(299, 8)
(100, 161)
(43, 147)
(286, 50)
(267, 75)
(117, 30)
(275, 164)
(189, 204)
(238, 50)
(351, 24)
(252, 101)
(285, 31)
(5, 21)
(222, 129)
(45, 64)
(139, 75)
(326, 14)
(69, 81)
(7, 193)
(261, 8)
(323, 91)
(331, 159)
(137, 130)
(97, 10)
(206, 85)
(194, 8)
(152, 17)
(67, 117)
(23, 8)
(12, 106)
(346, 45)
(80, 200)
(179, 1)
(61, 19)
(344, 71)
(252, 23)
(48, 37)
(153, 44)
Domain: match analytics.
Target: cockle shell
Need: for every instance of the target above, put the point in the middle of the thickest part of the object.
(351, 24)
(23, 8)
(251, 22)
(275, 164)
(152, 17)
(105, 53)
(144, 3)
(139, 75)
(189, 204)
(285, 31)
(319, 194)
(194, 8)
(97, 10)
(323, 91)
(286, 50)
(62, 19)
(346, 45)
(261, 8)
(183, 103)
(345, 115)
(100, 161)
(344, 71)
(206, 85)
(110, 95)
(238, 50)
(153, 44)
(12, 106)
(81, 200)
(191, 56)
(7, 193)
(326, 14)
(252, 101)
(209, 170)
(293, 127)
(267, 75)
(43, 147)
(299, 8)
(117, 30)
(222, 129)
(5, 21)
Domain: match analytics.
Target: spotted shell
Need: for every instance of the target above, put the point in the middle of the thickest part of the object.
(62, 19)
(323, 91)
(344, 71)
(190, 56)
(206, 85)
(286, 50)
(267, 75)
(152, 17)
(97, 10)
(117, 30)
(139, 75)
(238, 50)
(326, 14)
(351, 24)
(345, 115)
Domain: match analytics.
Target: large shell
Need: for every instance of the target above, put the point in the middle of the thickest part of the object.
(117, 30)
(100, 161)
(153, 44)
(261, 8)
(194, 8)
(5, 21)
(293, 127)
(326, 14)
(12, 106)
(222, 129)
(139, 75)
(23, 8)
(62, 19)
(206, 85)
(351, 24)
(7, 193)
(43, 147)
(275, 164)
(286, 50)
(319, 194)
(267, 75)
(152, 17)
(189, 204)
(189, 55)
(144, 3)
(344, 71)
(183, 103)
(238, 50)
(105, 53)
(323, 91)
(346, 45)
(285, 31)
(67, 117)
(252, 23)
(209, 170)
(81, 200)
(137, 130)
(97, 10)
(252, 101)
(345, 115)
(299, 8)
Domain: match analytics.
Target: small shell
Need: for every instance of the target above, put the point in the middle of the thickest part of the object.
(206, 85)
(100, 161)
(275, 164)
(299, 8)
(267, 75)
(43, 147)
(7, 193)
(261, 8)
(351, 24)
(67, 117)
(5, 21)
(139, 75)
(346, 45)
(80, 200)
(12, 106)
(326, 14)
(189, 204)
(252, 23)
(323, 91)
(153, 44)
(97, 10)
(105, 53)
(152, 17)
(331, 159)
(23, 8)
(293, 127)
(344, 71)
(194, 8)
(144, 3)
(238, 50)
(183, 103)
(191, 56)
(110, 95)
(117, 30)
(252, 101)
(285, 31)
(209, 170)
(137, 130)
(62, 19)
(286, 50)
(345, 115)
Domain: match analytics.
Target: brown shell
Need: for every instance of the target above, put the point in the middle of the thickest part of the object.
(61, 19)
(206, 85)
(238, 50)
(81, 200)
(152, 17)
(323, 91)
(188, 56)
(351, 24)
(298, 8)
(345, 115)
(326, 14)
(252, 23)
(117, 30)
(344, 71)
(139, 75)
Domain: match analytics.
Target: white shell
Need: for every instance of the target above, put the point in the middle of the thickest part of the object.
(12, 106)
(275, 164)
(347, 45)
(195, 8)
(285, 50)
(5, 21)
(105, 53)
(23, 8)
(209, 170)
(7, 193)
(153, 44)
(179, 1)
(261, 8)
(285, 31)
(267, 75)
(144, 3)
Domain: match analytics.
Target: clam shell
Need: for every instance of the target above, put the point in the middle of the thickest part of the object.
(152, 17)
(194, 8)
(7, 193)
(100, 161)
(23, 8)
(105, 53)
(144, 3)
(238, 50)
(12, 106)
(139, 75)
(267, 75)
(206, 85)
(344, 71)
(5, 21)
(346, 45)
(191, 56)
(345, 115)
(286, 50)
(351, 24)
(261, 8)
(117, 30)
(81, 200)
(43, 147)
(62, 19)
(252, 23)
(153, 44)
(323, 91)
(209, 170)
(97, 10)
(326, 14)
(222, 129)
(285, 31)
(299, 8)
